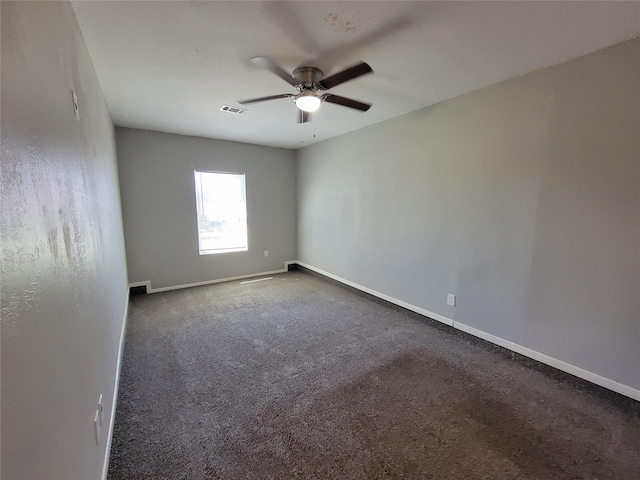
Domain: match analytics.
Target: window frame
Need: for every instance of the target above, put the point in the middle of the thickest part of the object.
(198, 191)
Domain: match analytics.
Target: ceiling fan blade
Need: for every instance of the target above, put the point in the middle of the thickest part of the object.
(304, 117)
(344, 76)
(346, 102)
(270, 64)
(290, 23)
(262, 99)
(343, 51)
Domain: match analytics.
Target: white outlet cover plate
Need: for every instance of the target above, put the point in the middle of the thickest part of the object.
(76, 108)
(96, 426)
(101, 410)
(451, 300)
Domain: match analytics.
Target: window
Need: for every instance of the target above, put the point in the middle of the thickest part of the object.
(222, 212)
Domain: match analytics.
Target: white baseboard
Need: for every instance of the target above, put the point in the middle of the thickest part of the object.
(553, 362)
(112, 417)
(527, 352)
(147, 283)
(383, 296)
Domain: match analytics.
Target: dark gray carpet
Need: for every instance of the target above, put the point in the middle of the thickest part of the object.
(297, 378)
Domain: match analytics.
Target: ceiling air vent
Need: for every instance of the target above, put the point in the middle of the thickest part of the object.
(230, 109)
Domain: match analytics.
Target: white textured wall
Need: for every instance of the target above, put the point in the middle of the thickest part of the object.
(159, 206)
(64, 285)
(523, 199)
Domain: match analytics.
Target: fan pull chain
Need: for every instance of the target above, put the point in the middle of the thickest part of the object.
(313, 120)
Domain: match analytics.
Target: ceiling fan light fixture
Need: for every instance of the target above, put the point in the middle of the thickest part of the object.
(308, 102)
(305, 80)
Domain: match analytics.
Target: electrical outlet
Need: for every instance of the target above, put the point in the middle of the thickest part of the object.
(76, 108)
(97, 427)
(266, 253)
(101, 410)
(451, 300)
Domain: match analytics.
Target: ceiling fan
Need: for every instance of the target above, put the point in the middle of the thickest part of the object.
(309, 83)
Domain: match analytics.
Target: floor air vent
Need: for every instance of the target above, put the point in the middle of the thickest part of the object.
(230, 109)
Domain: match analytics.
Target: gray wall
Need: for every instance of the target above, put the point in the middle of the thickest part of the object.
(523, 199)
(64, 281)
(158, 200)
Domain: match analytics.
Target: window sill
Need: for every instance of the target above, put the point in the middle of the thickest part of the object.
(223, 250)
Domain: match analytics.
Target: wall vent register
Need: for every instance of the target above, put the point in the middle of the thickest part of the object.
(234, 110)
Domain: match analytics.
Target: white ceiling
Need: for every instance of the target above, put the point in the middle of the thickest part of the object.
(170, 66)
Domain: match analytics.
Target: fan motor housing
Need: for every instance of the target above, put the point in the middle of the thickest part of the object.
(308, 75)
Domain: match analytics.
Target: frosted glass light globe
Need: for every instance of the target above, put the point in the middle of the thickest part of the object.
(308, 102)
